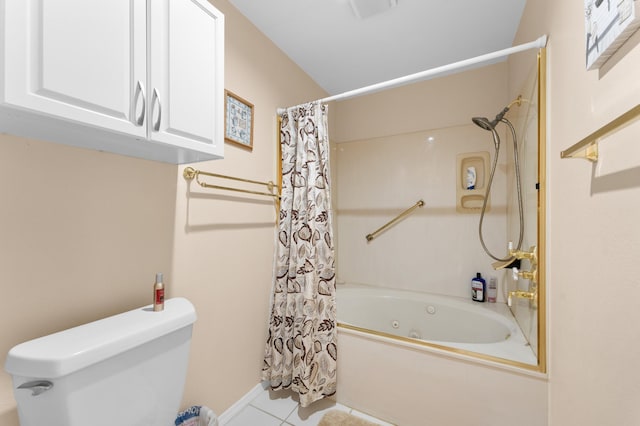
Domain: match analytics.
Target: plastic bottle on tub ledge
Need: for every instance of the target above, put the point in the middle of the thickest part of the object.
(492, 290)
(478, 288)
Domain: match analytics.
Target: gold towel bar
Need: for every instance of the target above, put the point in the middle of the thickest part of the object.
(190, 173)
(587, 148)
(375, 233)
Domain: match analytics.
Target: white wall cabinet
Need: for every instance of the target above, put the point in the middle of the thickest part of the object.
(143, 78)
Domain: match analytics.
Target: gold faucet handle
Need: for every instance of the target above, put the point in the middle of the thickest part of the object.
(527, 275)
(531, 255)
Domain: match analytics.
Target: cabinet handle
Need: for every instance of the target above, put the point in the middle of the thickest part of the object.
(140, 93)
(156, 97)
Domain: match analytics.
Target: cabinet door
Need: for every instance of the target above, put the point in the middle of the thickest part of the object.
(186, 86)
(79, 60)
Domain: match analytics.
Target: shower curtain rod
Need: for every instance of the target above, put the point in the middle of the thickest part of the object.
(434, 72)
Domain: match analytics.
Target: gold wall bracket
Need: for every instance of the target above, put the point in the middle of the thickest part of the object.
(517, 101)
(587, 148)
(589, 153)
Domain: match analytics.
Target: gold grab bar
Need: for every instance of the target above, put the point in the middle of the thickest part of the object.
(190, 173)
(375, 233)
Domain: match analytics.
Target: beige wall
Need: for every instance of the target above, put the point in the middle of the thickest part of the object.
(223, 243)
(82, 234)
(76, 246)
(593, 232)
(432, 104)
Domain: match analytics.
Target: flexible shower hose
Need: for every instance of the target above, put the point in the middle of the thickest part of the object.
(496, 141)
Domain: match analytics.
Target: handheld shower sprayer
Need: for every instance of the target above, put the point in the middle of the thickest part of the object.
(485, 124)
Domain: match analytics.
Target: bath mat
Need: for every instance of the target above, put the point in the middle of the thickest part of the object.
(340, 418)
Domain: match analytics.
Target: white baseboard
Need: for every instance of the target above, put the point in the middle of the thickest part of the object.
(242, 402)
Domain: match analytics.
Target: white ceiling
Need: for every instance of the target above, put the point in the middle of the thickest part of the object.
(342, 52)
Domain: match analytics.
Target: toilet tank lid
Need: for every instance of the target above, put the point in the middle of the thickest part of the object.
(62, 353)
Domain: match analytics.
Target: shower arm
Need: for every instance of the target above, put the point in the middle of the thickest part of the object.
(518, 101)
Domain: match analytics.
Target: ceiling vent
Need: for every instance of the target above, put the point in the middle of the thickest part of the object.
(366, 8)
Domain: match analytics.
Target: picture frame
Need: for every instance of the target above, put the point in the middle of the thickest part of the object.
(238, 120)
(608, 24)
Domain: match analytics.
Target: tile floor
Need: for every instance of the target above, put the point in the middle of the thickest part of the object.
(271, 408)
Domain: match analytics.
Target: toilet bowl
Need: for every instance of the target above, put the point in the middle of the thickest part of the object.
(128, 369)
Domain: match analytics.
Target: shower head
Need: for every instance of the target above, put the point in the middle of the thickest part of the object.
(484, 122)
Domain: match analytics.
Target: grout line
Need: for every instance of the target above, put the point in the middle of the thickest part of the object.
(291, 412)
(264, 411)
(247, 400)
(271, 414)
(239, 405)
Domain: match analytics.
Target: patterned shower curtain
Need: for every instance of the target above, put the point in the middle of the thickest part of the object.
(301, 353)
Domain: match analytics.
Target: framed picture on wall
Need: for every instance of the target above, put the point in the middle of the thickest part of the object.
(238, 120)
(608, 24)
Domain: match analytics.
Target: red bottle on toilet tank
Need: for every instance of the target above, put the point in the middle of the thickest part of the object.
(158, 293)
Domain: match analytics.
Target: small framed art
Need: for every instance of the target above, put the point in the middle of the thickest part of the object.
(238, 120)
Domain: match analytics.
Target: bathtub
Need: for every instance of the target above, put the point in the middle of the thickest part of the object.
(436, 321)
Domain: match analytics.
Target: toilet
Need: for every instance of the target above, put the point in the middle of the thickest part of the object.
(128, 369)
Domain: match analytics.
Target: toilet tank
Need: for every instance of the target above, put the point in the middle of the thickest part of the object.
(128, 369)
